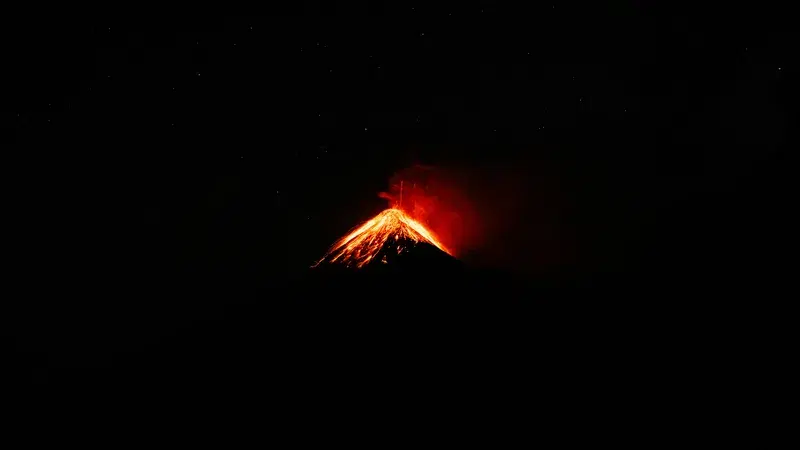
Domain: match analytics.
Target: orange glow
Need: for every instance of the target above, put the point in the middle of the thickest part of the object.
(392, 229)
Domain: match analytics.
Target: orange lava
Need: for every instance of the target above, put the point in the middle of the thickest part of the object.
(392, 229)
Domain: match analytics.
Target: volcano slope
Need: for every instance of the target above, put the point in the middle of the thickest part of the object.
(389, 257)
(380, 240)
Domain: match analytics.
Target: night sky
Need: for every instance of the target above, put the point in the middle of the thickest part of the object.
(159, 167)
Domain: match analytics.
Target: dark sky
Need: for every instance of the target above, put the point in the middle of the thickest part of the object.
(157, 153)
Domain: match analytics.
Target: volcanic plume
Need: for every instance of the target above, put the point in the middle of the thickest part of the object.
(378, 240)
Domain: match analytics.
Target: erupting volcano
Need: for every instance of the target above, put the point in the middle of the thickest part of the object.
(380, 239)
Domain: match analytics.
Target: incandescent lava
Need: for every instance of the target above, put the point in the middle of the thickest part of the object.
(390, 233)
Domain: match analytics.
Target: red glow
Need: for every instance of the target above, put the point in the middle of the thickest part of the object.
(438, 200)
(503, 216)
(487, 216)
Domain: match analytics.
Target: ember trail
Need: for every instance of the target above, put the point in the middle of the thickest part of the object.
(390, 233)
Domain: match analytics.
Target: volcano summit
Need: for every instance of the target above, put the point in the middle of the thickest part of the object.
(388, 237)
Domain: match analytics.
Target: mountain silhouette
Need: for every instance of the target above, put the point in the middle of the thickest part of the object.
(392, 239)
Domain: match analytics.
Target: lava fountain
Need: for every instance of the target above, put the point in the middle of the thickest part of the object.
(390, 233)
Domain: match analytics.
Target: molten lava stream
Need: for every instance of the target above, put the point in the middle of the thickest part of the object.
(391, 230)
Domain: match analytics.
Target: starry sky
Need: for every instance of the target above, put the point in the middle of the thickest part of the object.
(157, 151)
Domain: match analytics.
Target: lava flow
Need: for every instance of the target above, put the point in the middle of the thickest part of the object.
(390, 231)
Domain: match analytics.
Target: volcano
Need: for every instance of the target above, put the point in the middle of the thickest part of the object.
(391, 238)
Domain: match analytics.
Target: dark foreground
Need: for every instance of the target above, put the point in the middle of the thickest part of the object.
(376, 335)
